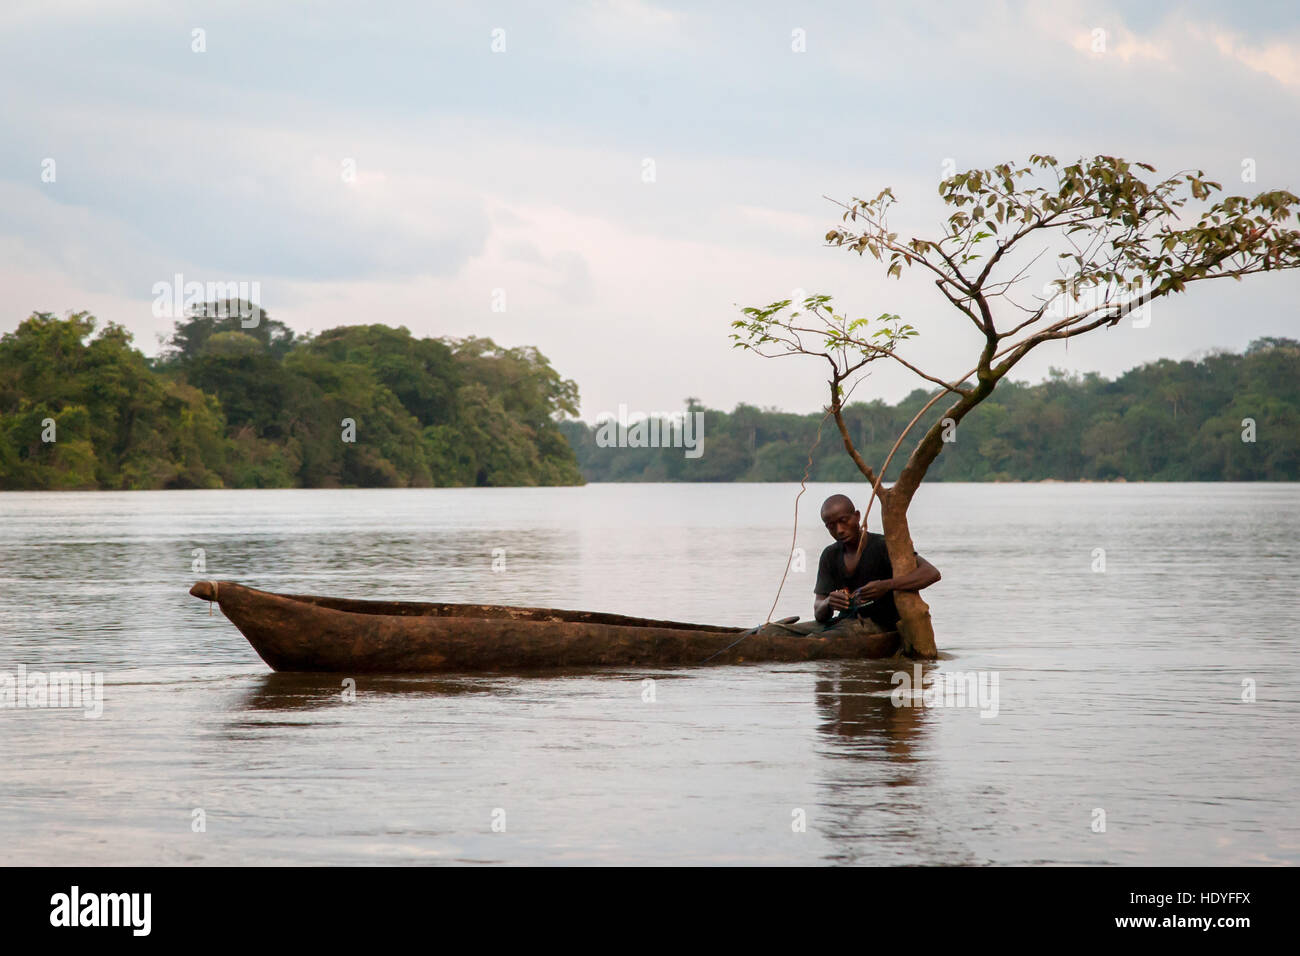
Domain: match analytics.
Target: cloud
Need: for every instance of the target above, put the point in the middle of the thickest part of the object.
(1119, 42)
(636, 14)
(521, 171)
(1279, 59)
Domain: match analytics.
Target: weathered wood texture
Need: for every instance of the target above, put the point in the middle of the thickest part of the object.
(301, 632)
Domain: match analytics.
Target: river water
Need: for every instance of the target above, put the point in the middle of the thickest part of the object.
(1146, 711)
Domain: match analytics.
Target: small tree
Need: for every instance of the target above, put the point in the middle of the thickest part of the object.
(1119, 240)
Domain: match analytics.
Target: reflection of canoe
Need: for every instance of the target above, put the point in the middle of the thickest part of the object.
(300, 632)
(289, 692)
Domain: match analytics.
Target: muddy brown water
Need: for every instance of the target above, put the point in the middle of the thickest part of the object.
(1124, 692)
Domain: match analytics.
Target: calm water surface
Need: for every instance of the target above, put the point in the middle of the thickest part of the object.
(1119, 691)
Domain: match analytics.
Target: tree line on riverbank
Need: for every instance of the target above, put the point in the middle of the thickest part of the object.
(260, 407)
(1223, 417)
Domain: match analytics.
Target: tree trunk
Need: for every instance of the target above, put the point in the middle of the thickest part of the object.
(914, 624)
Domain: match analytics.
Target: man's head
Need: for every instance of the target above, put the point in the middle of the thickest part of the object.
(841, 519)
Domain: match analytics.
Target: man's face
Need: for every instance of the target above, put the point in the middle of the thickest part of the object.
(842, 523)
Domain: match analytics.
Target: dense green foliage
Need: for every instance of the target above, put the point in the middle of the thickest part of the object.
(225, 406)
(1165, 421)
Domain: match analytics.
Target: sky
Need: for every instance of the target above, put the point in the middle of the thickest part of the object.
(607, 181)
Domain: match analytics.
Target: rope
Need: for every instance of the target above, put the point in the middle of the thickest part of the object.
(880, 476)
(794, 535)
(752, 630)
(803, 486)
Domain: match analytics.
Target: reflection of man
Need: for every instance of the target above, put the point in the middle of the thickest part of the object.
(867, 589)
(854, 595)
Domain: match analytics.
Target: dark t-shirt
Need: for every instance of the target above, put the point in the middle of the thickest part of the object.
(874, 566)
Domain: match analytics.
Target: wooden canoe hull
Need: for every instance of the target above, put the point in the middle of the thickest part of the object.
(300, 632)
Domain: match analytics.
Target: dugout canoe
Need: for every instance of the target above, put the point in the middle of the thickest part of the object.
(306, 632)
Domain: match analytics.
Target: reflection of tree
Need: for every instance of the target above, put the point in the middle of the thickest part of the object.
(855, 705)
(878, 805)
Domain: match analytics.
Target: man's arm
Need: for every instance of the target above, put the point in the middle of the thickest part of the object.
(924, 575)
(827, 599)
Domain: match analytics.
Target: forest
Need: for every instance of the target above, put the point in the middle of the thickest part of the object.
(224, 406)
(1222, 417)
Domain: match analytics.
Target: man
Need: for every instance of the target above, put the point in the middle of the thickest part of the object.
(851, 594)
(860, 588)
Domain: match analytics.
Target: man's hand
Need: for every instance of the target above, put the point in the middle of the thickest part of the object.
(839, 600)
(874, 590)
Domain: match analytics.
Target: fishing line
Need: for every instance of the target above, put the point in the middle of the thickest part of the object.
(875, 493)
(794, 535)
(803, 486)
